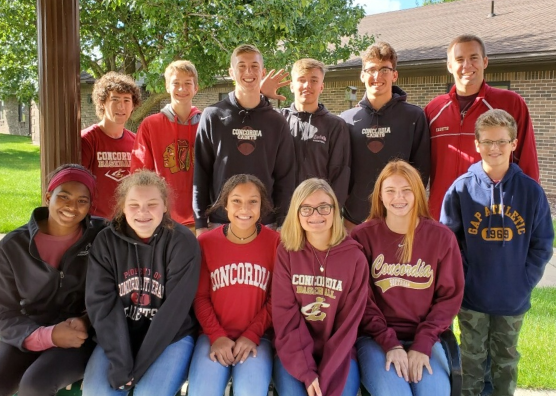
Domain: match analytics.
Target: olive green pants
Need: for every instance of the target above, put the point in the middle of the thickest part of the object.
(482, 334)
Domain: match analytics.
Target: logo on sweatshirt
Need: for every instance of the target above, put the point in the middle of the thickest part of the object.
(312, 311)
(494, 234)
(184, 159)
(319, 139)
(394, 275)
(375, 137)
(247, 139)
(241, 274)
(316, 285)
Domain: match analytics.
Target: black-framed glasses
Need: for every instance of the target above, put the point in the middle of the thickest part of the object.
(382, 71)
(324, 209)
(500, 143)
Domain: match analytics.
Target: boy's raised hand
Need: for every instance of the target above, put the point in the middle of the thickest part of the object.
(272, 82)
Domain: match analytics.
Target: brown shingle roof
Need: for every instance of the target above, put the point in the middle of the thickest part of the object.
(421, 35)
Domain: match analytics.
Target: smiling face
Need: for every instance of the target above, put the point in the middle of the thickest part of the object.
(247, 71)
(244, 207)
(181, 88)
(68, 204)
(118, 107)
(306, 88)
(317, 223)
(397, 197)
(144, 209)
(378, 84)
(467, 64)
(497, 156)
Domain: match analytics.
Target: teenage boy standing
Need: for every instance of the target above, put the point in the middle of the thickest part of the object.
(501, 219)
(321, 139)
(452, 119)
(106, 146)
(382, 128)
(165, 141)
(242, 134)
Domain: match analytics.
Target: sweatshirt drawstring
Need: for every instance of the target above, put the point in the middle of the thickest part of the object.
(244, 113)
(491, 207)
(502, 213)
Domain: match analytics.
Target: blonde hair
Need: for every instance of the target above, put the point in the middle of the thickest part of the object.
(292, 234)
(184, 66)
(143, 178)
(302, 66)
(244, 49)
(420, 207)
(496, 118)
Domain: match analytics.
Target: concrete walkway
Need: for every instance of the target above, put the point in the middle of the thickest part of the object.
(548, 280)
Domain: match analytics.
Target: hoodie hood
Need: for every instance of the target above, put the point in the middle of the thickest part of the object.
(398, 95)
(193, 119)
(245, 114)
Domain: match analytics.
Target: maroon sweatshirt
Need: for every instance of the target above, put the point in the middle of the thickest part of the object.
(419, 299)
(316, 314)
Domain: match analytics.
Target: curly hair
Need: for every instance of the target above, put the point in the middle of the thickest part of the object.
(118, 82)
(381, 51)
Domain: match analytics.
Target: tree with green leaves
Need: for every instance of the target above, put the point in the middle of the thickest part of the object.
(141, 37)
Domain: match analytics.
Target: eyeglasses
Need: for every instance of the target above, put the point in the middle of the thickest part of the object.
(382, 71)
(324, 209)
(500, 143)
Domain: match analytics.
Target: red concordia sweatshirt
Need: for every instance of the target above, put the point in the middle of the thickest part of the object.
(418, 299)
(233, 298)
(316, 314)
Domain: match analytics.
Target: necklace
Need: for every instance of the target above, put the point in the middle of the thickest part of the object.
(241, 239)
(325, 257)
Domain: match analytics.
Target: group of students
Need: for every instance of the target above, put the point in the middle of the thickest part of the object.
(338, 310)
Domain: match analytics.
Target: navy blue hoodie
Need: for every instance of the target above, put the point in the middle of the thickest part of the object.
(397, 130)
(505, 235)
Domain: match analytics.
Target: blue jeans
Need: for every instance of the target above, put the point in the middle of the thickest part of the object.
(379, 382)
(164, 378)
(250, 378)
(287, 385)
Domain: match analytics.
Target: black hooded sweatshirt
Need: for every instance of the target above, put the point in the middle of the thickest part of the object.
(397, 130)
(140, 295)
(322, 148)
(232, 140)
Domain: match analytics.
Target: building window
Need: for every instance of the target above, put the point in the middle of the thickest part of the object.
(22, 110)
(222, 95)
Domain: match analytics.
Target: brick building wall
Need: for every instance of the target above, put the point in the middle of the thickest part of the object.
(10, 118)
(538, 89)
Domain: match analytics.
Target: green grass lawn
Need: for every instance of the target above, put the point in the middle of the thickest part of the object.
(537, 364)
(20, 183)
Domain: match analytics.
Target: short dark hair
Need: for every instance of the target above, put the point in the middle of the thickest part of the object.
(382, 51)
(467, 38)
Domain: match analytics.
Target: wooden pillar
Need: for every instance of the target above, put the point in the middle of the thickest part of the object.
(59, 93)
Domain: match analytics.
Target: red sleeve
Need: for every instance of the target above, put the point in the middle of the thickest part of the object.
(294, 343)
(337, 350)
(525, 154)
(87, 152)
(141, 155)
(204, 310)
(263, 320)
(446, 303)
